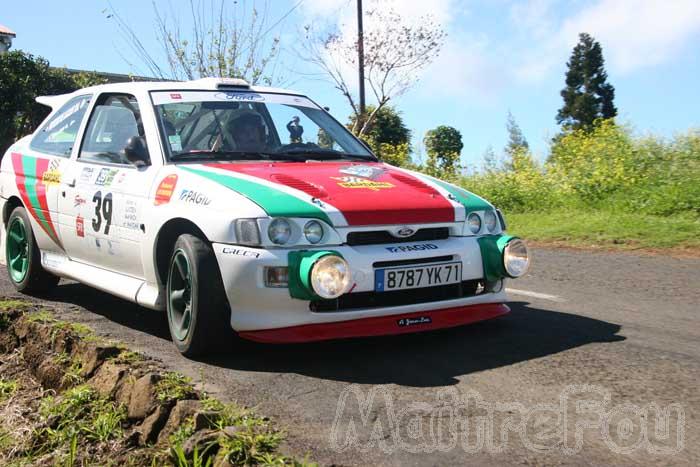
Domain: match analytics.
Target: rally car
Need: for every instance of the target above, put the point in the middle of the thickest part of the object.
(245, 208)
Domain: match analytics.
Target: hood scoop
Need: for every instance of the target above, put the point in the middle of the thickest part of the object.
(415, 183)
(301, 185)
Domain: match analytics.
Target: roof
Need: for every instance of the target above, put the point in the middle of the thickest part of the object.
(5, 31)
(204, 84)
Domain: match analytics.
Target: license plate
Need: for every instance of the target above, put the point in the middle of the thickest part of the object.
(414, 277)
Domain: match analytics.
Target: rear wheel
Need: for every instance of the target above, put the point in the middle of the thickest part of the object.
(198, 312)
(23, 257)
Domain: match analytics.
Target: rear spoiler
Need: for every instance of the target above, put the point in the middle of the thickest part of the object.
(53, 101)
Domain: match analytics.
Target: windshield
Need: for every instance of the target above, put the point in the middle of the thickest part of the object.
(245, 125)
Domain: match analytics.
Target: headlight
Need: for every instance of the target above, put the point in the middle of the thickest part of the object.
(330, 277)
(516, 259)
(474, 222)
(490, 221)
(247, 232)
(313, 231)
(279, 231)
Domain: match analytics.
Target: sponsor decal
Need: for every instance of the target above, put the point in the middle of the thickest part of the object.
(176, 96)
(86, 174)
(357, 182)
(120, 178)
(29, 177)
(131, 218)
(105, 177)
(364, 171)
(175, 142)
(78, 201)
(80, 226)
(240, 252)
(194, 197)
(165, 190)
(417, 247)
(239, 96)
(51, 177)
(413, 321)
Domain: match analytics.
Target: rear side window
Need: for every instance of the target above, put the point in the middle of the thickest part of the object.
(58, 135)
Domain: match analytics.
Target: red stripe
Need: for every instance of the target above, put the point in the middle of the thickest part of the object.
(397, 198)
(378, 326)
(42, 165)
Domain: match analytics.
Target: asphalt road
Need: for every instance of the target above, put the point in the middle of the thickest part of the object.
(596, 346)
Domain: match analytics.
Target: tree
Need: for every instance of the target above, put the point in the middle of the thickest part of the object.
(233, 42)
(22, 79)
(387, 127)
(444, 147)
(395, 52)
(516, 139)
(587, 95)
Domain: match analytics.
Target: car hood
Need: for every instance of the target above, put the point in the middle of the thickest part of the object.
(343, 193)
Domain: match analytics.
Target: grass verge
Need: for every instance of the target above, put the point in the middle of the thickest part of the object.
(608, 230)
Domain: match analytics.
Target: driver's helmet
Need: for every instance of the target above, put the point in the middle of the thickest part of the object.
(244, 122)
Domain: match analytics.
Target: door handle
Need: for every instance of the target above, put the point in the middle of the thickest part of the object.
(71, 184)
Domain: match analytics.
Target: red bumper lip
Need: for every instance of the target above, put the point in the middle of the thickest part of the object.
(379, 326)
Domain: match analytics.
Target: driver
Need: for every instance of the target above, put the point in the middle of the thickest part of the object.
(248, 131)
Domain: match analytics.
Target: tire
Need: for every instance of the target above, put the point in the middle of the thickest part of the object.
(23, 257)
(198, 311)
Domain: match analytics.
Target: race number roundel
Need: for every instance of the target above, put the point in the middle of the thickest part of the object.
(165, 190)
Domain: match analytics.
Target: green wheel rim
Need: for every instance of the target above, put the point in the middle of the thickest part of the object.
(17, 250)
(180, 295)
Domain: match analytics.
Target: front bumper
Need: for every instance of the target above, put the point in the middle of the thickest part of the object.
(256, 307)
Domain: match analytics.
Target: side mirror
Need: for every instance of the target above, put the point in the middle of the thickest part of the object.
(136, 151)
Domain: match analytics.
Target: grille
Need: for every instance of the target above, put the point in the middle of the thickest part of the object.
(377, 237)
(359, 300)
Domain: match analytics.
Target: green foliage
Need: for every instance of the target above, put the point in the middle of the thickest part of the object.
(516, 139)
(444, 147)
(602, 185)
(22, 78)
(79, 412)
(174, 386)
(386, 127)
(587, 95)
(7, 388)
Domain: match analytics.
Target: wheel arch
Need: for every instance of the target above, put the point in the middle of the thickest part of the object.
(10, 205)
(165, 240)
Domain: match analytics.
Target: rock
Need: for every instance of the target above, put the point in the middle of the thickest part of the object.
(204, 419)
(50, 374)
(93, 354)
(143, 396)
(178, 416)
(8, 341)
(201, 439)
(125, 388)
(107, 378)
(152, 425)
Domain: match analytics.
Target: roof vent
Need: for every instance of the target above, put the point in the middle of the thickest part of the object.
(224, 83)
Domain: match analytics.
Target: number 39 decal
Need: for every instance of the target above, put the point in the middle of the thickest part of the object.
(103, 209)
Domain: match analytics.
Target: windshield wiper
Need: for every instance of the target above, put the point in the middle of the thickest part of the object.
(322, 154)
(242, 155)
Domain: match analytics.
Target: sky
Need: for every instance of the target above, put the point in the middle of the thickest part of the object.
(499, 56)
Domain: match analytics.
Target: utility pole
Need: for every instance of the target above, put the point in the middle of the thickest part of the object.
(361, 58)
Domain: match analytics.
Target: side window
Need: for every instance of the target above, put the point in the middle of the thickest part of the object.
(58, 135)
(114, 121)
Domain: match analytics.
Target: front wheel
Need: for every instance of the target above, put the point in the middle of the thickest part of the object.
(23, 257)
(198, 312)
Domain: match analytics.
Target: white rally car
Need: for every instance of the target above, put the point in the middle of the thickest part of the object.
(245, 208)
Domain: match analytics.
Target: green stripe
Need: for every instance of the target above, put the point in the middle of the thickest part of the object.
(470, 201)
(276, 203)
(30, 181)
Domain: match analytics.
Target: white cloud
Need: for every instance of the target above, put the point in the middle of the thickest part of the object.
(636, 33)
